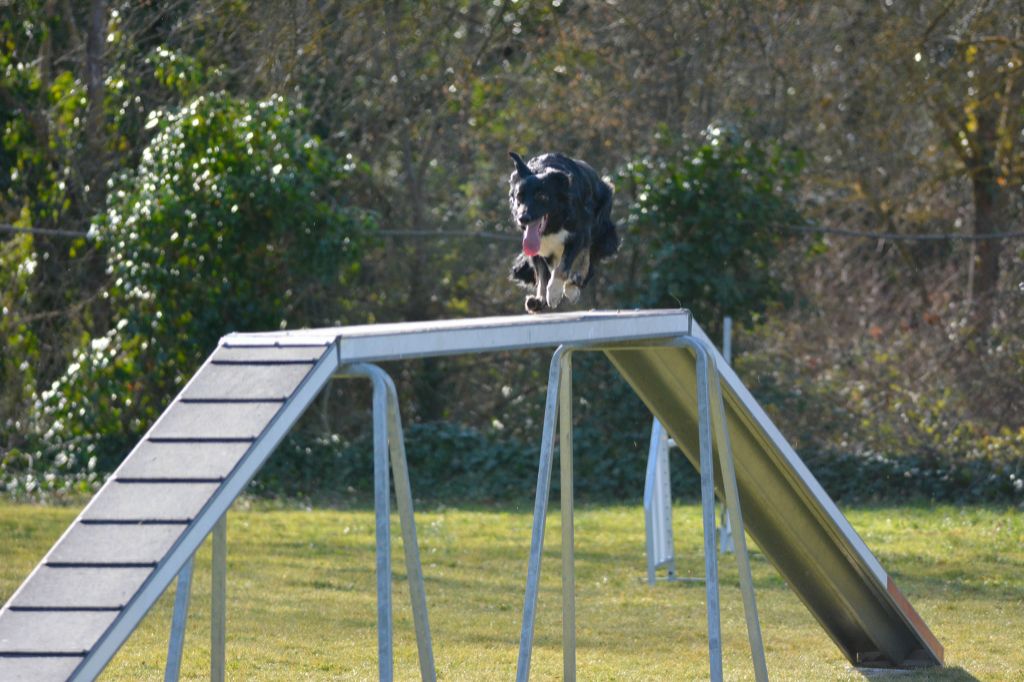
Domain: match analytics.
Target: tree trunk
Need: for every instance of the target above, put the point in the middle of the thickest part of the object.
(96, 38)
(990, 203)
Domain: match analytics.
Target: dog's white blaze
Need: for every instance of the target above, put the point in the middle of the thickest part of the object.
(552, 245)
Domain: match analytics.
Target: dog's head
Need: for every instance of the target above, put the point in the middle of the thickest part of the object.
(539, 201)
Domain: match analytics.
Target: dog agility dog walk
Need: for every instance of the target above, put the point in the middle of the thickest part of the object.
(564, 211)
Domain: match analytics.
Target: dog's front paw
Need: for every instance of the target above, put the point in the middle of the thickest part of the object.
(556, 288)
(534, 304)
(572, 292)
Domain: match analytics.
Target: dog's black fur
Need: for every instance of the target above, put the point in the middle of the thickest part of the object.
(564, 211)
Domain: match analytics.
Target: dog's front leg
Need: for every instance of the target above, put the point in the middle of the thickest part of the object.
(572, 271)
(555, 290)
(536, 303)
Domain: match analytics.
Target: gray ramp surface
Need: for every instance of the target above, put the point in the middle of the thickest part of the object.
(94, 586)
(89, 592)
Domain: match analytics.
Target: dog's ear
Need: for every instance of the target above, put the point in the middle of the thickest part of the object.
(521, 168)
(558, 181)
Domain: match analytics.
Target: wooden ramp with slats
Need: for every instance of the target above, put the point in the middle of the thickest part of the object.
(106, 571)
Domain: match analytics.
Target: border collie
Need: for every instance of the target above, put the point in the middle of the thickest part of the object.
(564, 211)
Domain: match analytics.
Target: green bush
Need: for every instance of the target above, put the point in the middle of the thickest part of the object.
(234, 220)
(708, 224)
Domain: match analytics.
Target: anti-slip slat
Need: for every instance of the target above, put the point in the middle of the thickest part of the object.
(253, 382)
(96, 543)
(63, 632)
(268, 354)
(80, 588)
(215, 420)
(37, 668)
(150, 501)
(164, 460)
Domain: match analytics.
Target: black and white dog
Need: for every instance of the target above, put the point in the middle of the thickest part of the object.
(564, 210)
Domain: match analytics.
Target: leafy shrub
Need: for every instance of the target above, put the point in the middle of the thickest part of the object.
(708, 224)
(234, 220)
(457, 463)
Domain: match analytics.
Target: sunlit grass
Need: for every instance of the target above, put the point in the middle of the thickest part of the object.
(302, 596)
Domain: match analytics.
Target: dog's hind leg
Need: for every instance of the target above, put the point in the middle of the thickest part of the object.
(606, 236)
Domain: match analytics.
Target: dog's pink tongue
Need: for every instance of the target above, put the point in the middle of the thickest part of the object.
(531, 238)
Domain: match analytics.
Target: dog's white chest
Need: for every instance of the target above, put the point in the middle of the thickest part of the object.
(553, 245)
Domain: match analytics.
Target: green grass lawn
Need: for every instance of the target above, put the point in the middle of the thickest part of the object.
(302, 594)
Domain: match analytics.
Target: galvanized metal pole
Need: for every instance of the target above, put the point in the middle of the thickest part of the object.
(410, 545)
(732, 499)
(540, 510)
(218, 599)
(568, 550)
(176, 643)
(382, 514)
(388, 426)
(725, 541)
(707, 498)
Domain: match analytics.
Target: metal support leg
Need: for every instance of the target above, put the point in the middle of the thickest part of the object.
(382, 515)
(176, 643)
(540, 510)
(711, 429)
(707, 498)
(568, 550)
(732, 498)
(387, 431)
(413, 567)
(218, 599)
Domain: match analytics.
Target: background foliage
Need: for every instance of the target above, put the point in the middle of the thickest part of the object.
(192, 168)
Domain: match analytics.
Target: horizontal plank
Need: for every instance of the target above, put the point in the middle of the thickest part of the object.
(91, 588)
(149, 501)
(182, 460)
(244, 354)
(115, 544)
(37, 668)
(246, 382)
(214, 420)
(62, 632)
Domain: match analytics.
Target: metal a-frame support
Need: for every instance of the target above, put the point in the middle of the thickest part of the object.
(711, 410)
(388, 439)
